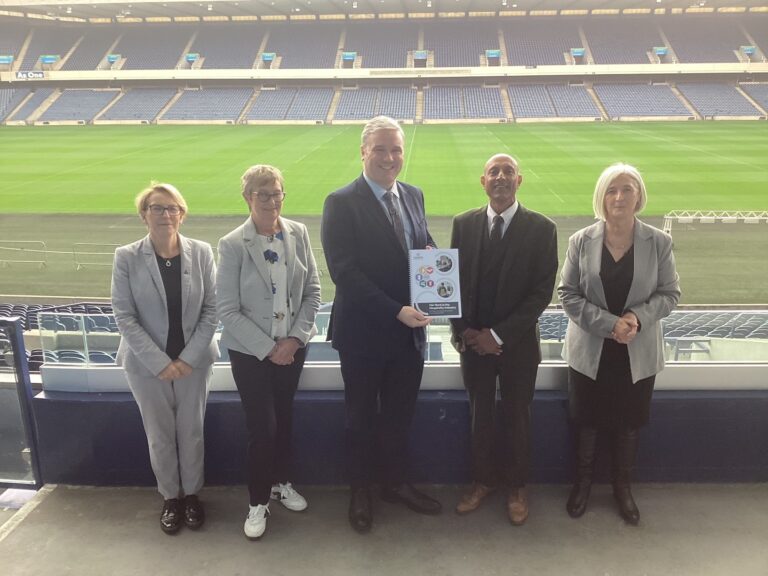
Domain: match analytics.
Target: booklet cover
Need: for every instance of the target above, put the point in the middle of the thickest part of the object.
(434, 276)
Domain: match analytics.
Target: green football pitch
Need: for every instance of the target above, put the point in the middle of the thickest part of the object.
(71, 189)
(99, 169)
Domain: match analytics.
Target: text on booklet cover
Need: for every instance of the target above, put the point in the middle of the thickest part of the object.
(434, 278)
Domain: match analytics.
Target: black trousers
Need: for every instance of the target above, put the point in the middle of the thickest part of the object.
(517, 381)
(267, 391)
(380, 398)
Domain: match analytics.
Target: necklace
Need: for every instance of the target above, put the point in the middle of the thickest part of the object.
(167, 263)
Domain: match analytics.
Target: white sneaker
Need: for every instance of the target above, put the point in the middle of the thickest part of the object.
(288, 497)
(256, 522)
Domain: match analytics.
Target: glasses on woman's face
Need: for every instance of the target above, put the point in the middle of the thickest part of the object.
(265, 197)
(159, 209)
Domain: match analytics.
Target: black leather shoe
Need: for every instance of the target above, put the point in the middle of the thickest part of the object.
(360, 510)
(412, 498)
(627, 507)
(194, 515)
(170, 519)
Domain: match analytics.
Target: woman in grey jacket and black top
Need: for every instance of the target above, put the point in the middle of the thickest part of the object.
(618, 281)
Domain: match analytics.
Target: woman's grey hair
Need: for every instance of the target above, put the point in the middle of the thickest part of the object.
(142, 199)
(259, 175)
(606, 179)
(380, 123)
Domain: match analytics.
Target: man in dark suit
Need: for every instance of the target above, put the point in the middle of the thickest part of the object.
(368, 227)
(508, 262)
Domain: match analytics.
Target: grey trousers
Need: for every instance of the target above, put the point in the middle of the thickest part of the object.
(173, 414)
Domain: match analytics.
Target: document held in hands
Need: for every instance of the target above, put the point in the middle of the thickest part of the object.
(434, 276)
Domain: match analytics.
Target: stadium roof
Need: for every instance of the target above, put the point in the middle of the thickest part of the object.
(226, 10)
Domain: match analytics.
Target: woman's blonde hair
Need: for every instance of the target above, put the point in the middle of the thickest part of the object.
(142, 199)
(606, 179)
(258, 175)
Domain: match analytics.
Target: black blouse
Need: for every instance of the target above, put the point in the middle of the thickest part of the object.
(170, 271)
(617, 278)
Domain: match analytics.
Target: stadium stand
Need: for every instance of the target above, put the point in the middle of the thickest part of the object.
(209, 104)
(639, 100)
(228, 46)
(573, 101)
(301, 45)
(310, 104)
(12, 38)
(79, 105)
(758, 92)
(538, 42)
(38, 97)
(459, 43)
(482, 102)
(272, 104)
(531, 101)
(443, 102)
(49, 40)
(9, 99)
(399, 102)
(142, 104)
(613, 41)
(717, 99)
(704, 39)
(381, 46)
(358, 104)
(154, 47)
(92, 49)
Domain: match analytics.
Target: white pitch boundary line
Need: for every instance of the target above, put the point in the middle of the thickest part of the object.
(555, 194)
(411, 146)
(25, 510)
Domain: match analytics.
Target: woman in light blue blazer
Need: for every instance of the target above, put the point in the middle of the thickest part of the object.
(164, 301)
(268, 294)
(618, 281)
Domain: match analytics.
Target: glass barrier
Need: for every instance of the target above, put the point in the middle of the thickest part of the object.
(689, 336)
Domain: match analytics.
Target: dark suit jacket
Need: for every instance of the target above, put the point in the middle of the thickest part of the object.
(370, 269)
(526, 280)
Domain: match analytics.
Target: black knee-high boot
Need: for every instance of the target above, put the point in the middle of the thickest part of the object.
(624, 454)
(585, 462)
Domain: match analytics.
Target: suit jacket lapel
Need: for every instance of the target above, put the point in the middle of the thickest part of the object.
(289, 241)
(642, 253)
(594, 249)
(474, 245)
(413, 213)
(376, 211)
(150, 260)
(513, 239)
(253, 247)
(186, 272)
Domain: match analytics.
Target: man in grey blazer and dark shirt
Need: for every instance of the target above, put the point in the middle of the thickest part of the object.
(508, 263)
(367, 229)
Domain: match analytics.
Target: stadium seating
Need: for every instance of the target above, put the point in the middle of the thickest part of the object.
(705, 39)
(531, 101)
(639, 100)
(49, 40)
(381, 46)
(399, 102)
(572, 101)
(482, 102)
(717, 99)
(459, 43)
(310, 104)
(92, 49)
(152, 48)
(9, 99)
(32, 104)
(12, 38)
(228, 46)
(534, 42)
(142, 104)
(441, 102)
(209, 104)
(301, 45)
(272, 104)
(80, 105)
(357, 104)
(758, 92)
(613, 41)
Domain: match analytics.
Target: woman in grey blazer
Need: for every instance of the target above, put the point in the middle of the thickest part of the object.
(163, 298)
(617, 283)
(268, 295)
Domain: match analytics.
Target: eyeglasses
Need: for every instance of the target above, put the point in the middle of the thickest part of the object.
(264, 197)
(158, 209)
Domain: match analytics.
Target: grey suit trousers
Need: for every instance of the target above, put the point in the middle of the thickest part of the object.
(173, 414)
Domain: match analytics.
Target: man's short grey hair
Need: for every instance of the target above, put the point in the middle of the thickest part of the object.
(380, 123)
(606, 179)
